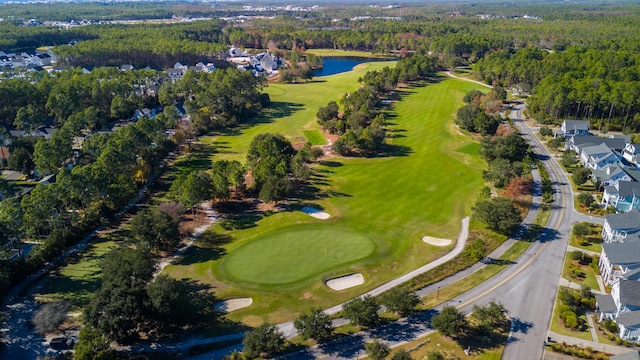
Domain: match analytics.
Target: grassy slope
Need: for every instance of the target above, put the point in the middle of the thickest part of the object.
(393, 200)
(293, 110)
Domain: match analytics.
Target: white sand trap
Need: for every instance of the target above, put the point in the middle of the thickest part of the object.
(230, 305)
(436, 241)
(345, 282)
(316, 213)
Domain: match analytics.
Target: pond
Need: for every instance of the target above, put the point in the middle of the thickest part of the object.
(338, 64)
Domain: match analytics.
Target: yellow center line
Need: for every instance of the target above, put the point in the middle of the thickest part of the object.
(557, 225)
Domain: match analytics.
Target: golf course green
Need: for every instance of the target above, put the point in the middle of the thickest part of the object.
(297, 253)
(380, 208)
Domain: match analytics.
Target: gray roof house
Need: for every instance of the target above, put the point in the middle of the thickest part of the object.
(617, 227)
(598, 157)
(574, 127)
(624, 196)
(577, 142)
(623, 307)
(620, 261)
(631, 153)
(610, 175)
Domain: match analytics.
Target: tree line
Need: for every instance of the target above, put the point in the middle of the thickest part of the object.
(361, 122)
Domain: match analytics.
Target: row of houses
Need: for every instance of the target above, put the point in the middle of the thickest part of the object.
(39, 59)
(614, 162)
(619, 266)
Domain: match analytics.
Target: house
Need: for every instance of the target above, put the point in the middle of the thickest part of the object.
(598, 157)
(42, 60)
(610, 175)
(631, 153)
(577, 142)
(620, 261)
(623, 307)
(624, 196)
(269, 62)
(176, 73)
(617, 227)
(126, 67)
(574, 127)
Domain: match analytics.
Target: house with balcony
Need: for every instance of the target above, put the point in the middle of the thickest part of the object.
(574, 127)
(631, 153)
(611, 175)
(623, 196)
(618, 227)
(623, 307)
(598, 157)
(620, 261)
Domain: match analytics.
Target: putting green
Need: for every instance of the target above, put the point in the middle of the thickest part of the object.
(295, 254)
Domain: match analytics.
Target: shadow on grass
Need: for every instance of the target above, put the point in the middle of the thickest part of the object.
(208, 247)
(274, 111)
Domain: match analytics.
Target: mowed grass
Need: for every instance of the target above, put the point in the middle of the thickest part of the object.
(80, 278)
(315, 137)
(422, 187)
(470, 148)
(297, 253)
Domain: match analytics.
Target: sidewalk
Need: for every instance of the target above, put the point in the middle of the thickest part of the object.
(611, 349)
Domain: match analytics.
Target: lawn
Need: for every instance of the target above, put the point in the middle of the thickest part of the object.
(296, 253)
(335, 52)
(392, 200)
(472, 148)
(558, 328)
(80, 278)
(315, 137)
(591, 242)
(449, 348)
(589, 278)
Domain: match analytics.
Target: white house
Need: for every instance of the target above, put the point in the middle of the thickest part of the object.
(623, 307)
(631, 153)
(624, 196)
(620, 261)
(598, 157)
(617, 227)
(574, 127)
(610, 175)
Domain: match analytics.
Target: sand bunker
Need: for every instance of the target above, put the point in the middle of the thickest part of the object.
(316, 213)
(230, 305)
(345, 282)
(436, 241)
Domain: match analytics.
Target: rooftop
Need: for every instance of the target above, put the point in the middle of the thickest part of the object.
(628, 220)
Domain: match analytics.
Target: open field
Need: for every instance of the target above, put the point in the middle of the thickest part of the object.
(392, 200)
(335, 52)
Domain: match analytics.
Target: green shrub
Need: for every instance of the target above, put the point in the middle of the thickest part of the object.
(576, 255)
(563, 308)
(571, 322)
